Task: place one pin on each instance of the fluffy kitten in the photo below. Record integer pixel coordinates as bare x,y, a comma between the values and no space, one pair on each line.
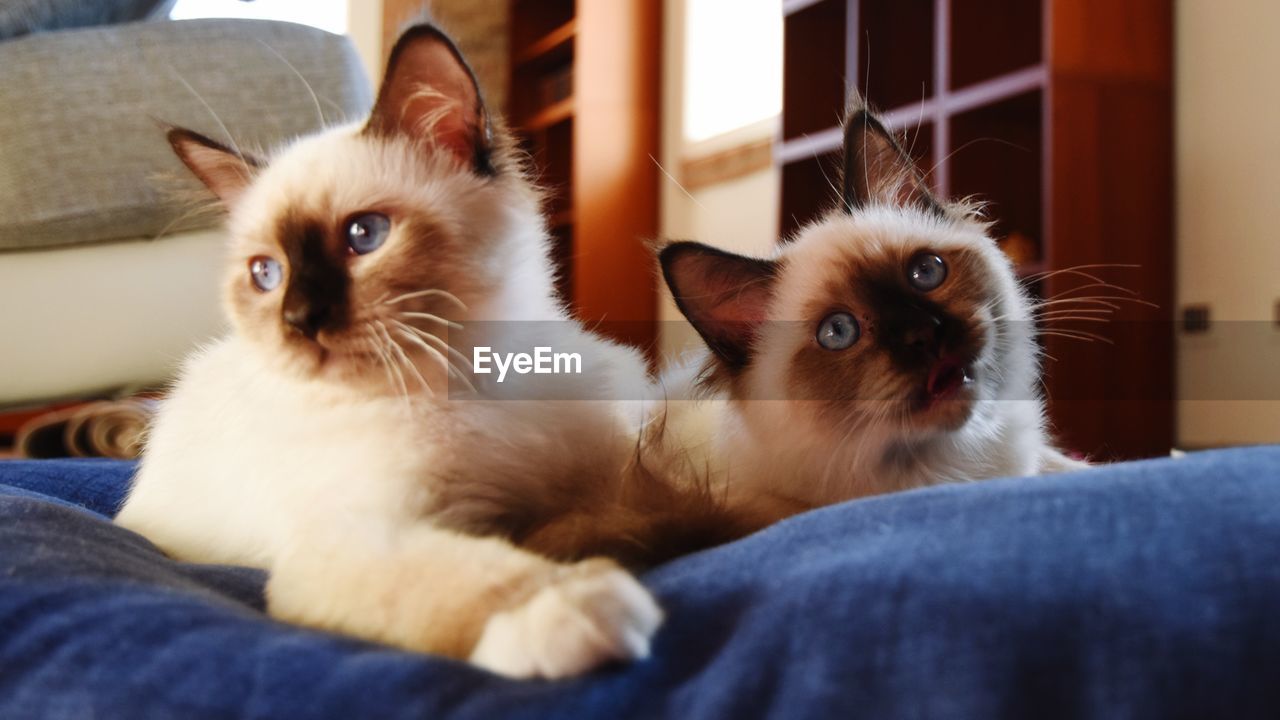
888,346
322,440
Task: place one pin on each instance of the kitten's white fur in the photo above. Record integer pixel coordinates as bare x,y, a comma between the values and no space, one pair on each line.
252,461
781,446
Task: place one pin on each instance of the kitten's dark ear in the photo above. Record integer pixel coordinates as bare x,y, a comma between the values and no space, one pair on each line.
430,94
724,296
876,168
223,170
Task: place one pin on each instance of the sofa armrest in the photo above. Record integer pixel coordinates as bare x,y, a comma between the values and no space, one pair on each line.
84,159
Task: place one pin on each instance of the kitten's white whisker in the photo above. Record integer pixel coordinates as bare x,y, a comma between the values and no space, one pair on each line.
1067,271
1102,284
419,342
1045,274
372,343
972,142
208,207
1076,335
413,368
404,358
1100,300
1074,318
426,293
388,344
428,316
1075,302
419,338
675,182
1072,304
394,381
439,342
830,183
444,361
311,91
248,171
1075,310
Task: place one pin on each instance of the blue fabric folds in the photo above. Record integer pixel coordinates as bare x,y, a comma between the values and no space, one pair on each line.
1140,590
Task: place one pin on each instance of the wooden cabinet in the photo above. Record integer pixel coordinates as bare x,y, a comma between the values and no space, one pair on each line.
1056,112
584,100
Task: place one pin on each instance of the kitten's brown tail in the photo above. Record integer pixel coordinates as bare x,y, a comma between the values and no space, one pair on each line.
653,520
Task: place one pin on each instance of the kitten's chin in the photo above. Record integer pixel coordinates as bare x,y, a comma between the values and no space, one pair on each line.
945,415
334,364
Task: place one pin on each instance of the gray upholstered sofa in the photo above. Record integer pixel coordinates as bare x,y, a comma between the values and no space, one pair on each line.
108,275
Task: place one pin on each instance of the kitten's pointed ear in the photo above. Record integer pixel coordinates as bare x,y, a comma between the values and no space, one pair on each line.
876,168
429,94
223,170
724,296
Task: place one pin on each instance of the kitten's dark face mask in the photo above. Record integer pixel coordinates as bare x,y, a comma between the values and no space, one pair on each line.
885,313
902,332
345,269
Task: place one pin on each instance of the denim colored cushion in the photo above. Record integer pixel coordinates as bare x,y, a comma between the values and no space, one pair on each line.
1139,590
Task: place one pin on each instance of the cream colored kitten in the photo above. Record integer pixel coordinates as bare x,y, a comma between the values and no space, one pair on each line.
888,346
324,440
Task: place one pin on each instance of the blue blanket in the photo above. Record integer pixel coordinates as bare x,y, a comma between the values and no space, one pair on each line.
1142,590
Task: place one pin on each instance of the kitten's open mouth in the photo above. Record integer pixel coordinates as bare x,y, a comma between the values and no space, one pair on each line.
948,375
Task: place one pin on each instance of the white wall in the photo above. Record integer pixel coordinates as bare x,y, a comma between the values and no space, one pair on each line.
739,215
364,27
1228,218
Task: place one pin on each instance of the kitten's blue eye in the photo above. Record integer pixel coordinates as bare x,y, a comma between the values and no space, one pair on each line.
266,273
838,331
366,233
926,272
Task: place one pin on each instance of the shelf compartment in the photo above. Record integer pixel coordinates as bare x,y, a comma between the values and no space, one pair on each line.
542,92
814,68
995,90
807,190
555,45
535,20
817,143
550,116
550,153
990,38
917,141
999,159
895,52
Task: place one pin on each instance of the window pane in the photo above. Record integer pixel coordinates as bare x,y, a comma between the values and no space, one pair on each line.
733,62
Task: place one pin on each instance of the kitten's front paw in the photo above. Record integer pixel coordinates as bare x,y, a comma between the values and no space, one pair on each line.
589,614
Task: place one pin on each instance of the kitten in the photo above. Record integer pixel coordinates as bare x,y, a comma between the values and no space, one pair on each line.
889,346
333,437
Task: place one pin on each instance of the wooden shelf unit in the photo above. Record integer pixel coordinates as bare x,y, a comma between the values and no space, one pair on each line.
558,41
583,101
1058,114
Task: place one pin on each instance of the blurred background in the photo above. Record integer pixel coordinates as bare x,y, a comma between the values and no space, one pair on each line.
1131,140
